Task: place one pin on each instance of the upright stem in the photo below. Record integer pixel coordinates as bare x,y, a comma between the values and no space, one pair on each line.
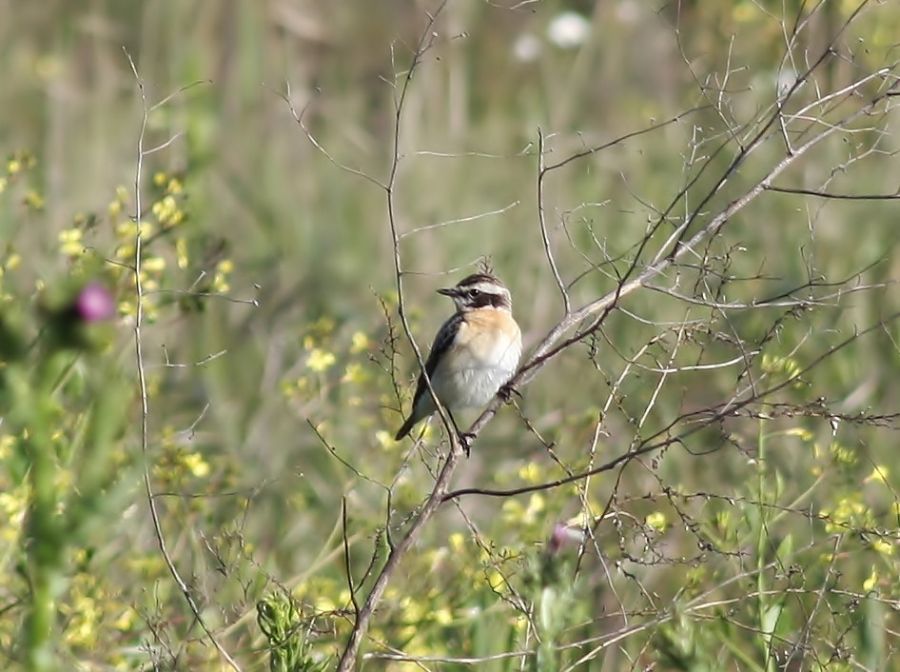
762,539
43,543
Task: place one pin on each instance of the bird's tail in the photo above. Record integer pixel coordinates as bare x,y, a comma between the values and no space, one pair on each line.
407,426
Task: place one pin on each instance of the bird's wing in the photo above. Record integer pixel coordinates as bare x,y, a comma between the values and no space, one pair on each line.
442,342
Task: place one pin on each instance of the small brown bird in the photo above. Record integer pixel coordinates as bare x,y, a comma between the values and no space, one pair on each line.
475,352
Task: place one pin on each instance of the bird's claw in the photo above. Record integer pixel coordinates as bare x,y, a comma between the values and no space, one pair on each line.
506,393
465,440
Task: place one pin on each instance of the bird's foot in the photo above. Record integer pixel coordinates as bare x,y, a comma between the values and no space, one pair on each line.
465,440
506,393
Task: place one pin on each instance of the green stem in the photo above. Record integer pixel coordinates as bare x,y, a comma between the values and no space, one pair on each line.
43,528
761,543
43,558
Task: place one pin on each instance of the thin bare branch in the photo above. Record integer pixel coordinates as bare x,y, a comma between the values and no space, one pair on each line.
142,378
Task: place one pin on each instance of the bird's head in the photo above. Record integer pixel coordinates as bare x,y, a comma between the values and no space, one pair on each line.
479,290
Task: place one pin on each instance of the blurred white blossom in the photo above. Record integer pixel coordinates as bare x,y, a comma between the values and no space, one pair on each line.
527,48
569,30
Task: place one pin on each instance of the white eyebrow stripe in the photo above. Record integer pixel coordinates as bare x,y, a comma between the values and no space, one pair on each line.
488,288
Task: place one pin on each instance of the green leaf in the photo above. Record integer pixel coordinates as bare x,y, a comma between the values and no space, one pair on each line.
871,634
785,549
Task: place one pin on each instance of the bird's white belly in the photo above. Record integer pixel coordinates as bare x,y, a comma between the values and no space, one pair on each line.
474,378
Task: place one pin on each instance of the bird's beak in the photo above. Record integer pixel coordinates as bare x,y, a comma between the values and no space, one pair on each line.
447,291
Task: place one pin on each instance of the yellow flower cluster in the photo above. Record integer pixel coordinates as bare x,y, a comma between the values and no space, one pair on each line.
17,165
178,462
515,513
220,279
657,521
320,359
11,262
849,513
91,610
785,366
13,502
166,213
70,243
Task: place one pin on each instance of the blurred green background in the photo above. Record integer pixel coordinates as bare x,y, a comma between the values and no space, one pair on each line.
251,493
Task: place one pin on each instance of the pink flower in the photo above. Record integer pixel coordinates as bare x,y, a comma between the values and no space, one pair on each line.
562,536
95,303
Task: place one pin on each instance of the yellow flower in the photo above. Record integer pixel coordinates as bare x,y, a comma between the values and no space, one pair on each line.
359,342
196,464
70,242
319,360
3,183
153,264
457,541
129,229
125,252
34,200
324,603
850,512
70,235
167,211
220,280
181,252
288,389
883,546
220,284
174,186
7,443
442,616
125,620
494,579
530,473
159,178
512,510
536,503
13,166
413,610
384,439
879,474
870,583
354,373
12,506
657,521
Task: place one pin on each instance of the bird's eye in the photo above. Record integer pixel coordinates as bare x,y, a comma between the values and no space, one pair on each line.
474,292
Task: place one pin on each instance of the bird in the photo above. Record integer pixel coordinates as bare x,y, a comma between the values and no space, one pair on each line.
474,354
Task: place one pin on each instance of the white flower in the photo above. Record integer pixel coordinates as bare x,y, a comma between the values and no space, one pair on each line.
569,30
527,48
